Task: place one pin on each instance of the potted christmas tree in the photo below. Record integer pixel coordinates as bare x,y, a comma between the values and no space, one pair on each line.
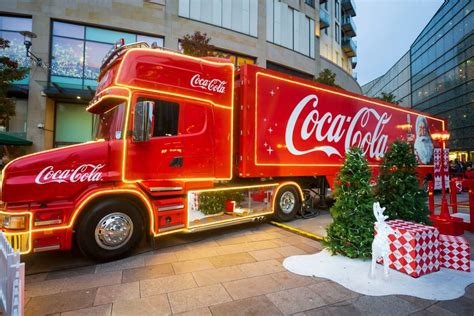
351,232
398,188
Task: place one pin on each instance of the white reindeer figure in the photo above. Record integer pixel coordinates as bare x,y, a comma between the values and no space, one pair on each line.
381,244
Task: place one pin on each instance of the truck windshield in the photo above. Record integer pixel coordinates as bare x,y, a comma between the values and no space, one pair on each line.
109,125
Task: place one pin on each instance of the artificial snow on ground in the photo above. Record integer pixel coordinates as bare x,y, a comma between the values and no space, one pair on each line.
354,274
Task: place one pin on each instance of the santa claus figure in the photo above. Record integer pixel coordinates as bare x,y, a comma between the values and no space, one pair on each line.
423,143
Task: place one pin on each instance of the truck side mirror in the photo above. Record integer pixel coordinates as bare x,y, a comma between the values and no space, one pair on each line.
142,121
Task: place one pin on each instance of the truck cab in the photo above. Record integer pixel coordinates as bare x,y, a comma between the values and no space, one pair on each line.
167,103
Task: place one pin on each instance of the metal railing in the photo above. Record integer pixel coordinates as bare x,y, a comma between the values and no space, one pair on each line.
12,279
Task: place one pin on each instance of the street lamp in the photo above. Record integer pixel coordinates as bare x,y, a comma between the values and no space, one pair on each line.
27,37
442,138
445,223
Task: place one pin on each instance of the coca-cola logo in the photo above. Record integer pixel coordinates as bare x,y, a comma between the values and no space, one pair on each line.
213,85
83,173
330,128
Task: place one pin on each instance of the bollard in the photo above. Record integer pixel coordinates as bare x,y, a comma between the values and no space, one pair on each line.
431,198
453,199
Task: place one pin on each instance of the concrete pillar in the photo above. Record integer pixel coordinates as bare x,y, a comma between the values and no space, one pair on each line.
36,100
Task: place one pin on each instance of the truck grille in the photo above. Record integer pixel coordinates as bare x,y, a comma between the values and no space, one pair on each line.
19,242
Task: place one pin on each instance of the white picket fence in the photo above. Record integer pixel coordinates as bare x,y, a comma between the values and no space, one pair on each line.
12,280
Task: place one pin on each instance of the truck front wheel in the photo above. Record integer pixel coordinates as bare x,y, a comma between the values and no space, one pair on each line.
110,229
287,204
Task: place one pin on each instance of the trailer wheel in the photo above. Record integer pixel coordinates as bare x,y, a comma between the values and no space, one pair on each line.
110,229
287,204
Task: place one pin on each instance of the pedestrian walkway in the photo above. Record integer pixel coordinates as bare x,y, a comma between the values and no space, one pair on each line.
235,273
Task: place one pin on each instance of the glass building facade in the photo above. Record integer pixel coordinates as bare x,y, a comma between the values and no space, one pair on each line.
442,72
395,81
437,74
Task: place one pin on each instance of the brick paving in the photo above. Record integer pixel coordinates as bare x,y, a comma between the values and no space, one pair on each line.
235,273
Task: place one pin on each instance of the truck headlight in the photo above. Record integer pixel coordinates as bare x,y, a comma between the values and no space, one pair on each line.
12,221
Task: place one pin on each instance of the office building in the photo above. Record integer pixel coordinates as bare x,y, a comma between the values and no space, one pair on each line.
440,70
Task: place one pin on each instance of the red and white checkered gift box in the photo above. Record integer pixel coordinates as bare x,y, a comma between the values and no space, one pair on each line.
414,249
454,253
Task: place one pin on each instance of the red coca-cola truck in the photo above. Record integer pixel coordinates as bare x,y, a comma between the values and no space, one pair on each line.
184,144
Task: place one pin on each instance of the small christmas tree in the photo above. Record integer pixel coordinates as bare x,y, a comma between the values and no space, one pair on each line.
398,188
352,230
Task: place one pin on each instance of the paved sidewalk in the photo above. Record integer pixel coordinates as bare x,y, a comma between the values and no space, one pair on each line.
236,273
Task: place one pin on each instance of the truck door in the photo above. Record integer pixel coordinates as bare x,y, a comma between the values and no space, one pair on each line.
162,156
198,138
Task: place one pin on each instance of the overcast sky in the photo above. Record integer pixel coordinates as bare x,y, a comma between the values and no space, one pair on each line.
385,31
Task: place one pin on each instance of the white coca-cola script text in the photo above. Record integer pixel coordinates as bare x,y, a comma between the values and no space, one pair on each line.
83,173
213,85
364,130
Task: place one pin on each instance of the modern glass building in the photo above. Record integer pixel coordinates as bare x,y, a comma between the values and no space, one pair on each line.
397,81
72,37
441,66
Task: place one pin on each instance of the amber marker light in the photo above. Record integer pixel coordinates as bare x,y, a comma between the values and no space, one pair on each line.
404,126
27,233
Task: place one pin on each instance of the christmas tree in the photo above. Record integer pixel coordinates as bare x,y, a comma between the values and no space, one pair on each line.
352,230
398,188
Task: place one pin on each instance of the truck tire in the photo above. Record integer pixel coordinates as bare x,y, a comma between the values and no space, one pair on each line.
110,229
287,204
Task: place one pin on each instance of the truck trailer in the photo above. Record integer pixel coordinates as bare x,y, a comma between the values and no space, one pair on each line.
183,144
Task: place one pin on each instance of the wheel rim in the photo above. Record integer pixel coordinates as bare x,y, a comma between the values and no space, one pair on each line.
113,231
287,202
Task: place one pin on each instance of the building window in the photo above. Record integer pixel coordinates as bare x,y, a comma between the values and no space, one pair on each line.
73,124
310,2
289,71
280,18
337,12
78,50
10,27
337,33
325,52
236,15
236,59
